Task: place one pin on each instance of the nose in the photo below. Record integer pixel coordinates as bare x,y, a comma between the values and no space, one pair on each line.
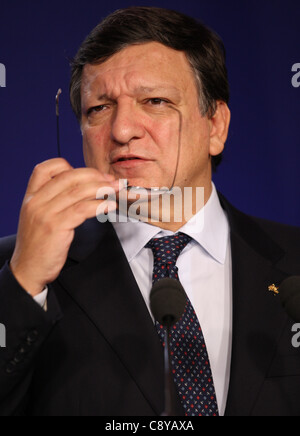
126,124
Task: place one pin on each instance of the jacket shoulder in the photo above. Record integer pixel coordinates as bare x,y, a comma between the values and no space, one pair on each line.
274,241
7,246
288,238
285,235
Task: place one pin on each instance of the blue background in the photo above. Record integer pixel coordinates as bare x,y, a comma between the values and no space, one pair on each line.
260,170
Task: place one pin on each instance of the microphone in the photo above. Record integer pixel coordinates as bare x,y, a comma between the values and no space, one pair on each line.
290,297
167,303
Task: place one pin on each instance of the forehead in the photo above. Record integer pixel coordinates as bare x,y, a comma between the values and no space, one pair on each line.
139,66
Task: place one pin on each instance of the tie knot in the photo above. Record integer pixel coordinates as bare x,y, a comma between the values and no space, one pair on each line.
167,250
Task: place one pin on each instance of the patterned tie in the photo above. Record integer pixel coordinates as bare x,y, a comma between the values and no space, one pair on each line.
190,362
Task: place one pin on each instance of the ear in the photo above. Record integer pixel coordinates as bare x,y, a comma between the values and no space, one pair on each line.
219,125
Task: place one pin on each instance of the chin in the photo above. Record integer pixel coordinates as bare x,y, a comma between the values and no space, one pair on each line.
142,183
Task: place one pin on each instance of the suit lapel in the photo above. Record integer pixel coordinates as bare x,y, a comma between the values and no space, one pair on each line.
256,312
102,284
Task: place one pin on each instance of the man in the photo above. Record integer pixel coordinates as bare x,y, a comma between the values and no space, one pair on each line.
146,84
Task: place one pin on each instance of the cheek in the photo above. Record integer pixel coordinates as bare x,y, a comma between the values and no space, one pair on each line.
166,136
198,136
194,154
95,148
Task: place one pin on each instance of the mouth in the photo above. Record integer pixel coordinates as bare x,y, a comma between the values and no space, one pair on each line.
129,161
125,159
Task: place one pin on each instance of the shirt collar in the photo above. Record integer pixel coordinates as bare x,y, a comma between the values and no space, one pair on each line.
212,236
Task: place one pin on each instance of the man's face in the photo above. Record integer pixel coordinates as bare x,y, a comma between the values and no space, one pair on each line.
130,119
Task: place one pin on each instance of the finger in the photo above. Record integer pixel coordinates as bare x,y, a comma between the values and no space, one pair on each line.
69,181
83,192
77,214
45,171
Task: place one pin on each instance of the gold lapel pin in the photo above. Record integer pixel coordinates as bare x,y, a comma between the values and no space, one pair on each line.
274,289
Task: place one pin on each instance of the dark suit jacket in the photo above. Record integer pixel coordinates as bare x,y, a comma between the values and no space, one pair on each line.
96,351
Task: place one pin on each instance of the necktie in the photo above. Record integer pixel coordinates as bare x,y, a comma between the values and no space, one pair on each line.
191,368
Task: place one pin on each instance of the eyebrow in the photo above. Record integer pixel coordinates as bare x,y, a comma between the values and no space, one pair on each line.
158,88
147,89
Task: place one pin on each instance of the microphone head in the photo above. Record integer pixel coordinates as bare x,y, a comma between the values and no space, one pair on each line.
167,301
290,297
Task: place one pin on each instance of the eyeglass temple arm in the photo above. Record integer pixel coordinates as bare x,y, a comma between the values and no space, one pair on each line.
59,92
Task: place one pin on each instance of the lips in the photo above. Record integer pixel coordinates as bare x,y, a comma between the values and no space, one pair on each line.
128,158
129,162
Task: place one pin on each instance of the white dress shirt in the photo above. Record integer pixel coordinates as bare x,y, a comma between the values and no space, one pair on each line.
206,275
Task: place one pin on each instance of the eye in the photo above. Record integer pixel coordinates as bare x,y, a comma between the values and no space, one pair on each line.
157,101
97,109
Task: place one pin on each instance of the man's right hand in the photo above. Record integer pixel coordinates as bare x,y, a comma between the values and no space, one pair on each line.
58,199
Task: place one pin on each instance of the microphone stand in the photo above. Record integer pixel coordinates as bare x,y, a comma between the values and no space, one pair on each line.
167,302
169,397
